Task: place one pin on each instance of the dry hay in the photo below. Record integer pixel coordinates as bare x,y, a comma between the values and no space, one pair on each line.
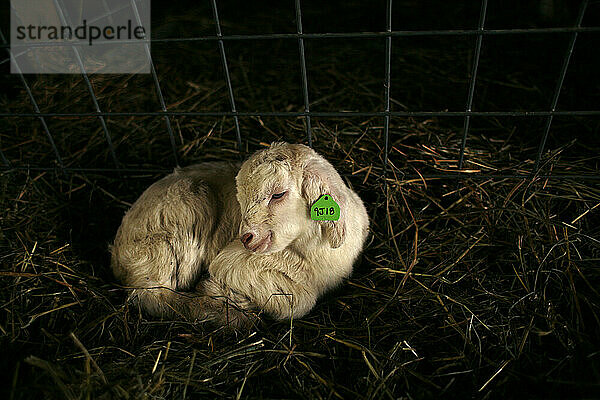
483,286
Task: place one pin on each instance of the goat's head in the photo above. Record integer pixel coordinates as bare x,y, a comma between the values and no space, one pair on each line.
275,189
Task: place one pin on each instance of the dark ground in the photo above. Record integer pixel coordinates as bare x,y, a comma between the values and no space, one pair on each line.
481,287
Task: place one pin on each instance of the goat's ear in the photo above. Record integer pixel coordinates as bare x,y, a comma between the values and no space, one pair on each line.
319,178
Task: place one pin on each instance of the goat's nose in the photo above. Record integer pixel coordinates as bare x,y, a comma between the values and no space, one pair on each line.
246,239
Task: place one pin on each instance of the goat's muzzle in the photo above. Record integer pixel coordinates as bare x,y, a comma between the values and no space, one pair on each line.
253,242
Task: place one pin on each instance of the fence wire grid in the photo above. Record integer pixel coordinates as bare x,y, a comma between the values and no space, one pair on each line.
480,34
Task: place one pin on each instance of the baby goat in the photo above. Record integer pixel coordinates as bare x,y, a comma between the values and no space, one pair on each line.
262,252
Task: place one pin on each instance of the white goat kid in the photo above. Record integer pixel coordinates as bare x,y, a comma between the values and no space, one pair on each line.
283,260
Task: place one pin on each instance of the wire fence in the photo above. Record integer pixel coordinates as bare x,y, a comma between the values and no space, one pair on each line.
300,36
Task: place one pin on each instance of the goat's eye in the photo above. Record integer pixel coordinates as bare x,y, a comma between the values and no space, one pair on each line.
277,195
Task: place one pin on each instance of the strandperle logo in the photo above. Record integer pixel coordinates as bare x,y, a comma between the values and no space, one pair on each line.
82,32
80,36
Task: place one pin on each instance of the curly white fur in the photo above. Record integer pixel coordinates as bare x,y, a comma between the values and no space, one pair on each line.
190,222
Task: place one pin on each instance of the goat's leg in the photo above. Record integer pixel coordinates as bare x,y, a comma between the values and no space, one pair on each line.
277,283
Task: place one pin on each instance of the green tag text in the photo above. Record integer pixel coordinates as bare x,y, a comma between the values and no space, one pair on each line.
325,209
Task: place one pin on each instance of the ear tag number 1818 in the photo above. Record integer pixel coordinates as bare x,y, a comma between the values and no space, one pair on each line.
325,209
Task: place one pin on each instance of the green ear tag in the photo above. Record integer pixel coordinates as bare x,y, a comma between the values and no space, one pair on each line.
325,209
